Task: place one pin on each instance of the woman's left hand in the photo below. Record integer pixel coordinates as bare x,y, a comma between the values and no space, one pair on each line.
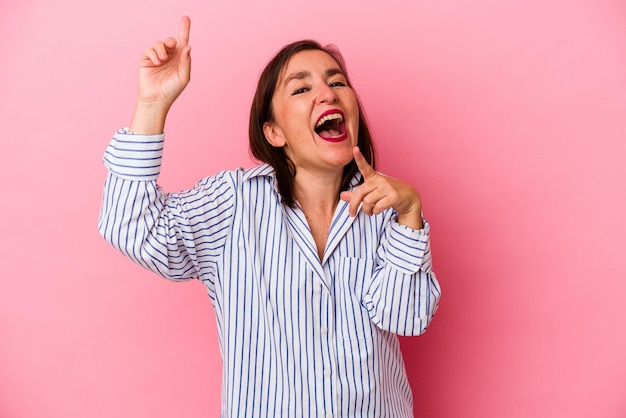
379,192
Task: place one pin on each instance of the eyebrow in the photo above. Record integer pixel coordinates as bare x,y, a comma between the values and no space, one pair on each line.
301,75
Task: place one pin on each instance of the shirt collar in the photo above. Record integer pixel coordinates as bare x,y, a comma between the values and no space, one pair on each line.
262,170
266,170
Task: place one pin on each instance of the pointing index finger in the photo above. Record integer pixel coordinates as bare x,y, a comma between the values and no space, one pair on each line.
362,164
183,32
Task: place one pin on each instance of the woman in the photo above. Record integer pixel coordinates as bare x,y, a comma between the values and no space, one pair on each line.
313,261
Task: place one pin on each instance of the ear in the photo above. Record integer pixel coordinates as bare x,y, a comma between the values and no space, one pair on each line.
274,135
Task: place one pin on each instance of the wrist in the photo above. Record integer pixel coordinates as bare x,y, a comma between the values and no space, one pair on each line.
411,218
411,221
149,118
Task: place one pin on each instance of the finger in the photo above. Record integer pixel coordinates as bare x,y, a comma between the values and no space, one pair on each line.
367,207
384,203
170,44
151,55
362,164
161,49
355,202
375,203
371,201
183,31
355,198
347,197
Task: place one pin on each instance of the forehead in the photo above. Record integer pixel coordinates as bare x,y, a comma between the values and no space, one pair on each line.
309,61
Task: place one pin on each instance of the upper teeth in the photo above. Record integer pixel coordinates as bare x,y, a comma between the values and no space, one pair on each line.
326,118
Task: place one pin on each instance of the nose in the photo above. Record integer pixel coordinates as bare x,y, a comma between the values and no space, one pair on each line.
326,94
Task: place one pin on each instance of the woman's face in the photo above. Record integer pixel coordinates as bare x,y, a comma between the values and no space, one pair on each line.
316,114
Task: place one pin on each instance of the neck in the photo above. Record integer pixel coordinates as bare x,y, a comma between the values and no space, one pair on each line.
317,193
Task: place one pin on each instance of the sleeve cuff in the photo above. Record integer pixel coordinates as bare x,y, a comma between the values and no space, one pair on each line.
406,247
134,157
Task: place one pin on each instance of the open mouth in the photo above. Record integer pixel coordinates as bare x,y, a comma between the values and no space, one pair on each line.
331,127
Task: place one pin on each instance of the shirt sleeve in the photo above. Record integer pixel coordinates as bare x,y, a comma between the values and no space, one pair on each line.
403,293
161,231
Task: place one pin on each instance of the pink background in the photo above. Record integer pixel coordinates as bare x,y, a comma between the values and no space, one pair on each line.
509,117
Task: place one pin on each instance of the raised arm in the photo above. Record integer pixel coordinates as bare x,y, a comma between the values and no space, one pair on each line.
164,72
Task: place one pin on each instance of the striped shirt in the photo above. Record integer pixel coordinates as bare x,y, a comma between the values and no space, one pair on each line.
299,337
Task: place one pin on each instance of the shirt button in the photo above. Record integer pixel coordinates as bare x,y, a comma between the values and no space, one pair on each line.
324,330
327,373
329,415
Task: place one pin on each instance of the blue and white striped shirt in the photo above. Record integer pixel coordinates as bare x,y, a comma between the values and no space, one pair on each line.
298,337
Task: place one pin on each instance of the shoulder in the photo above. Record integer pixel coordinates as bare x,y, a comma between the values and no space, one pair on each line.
236,178
263,172
249,182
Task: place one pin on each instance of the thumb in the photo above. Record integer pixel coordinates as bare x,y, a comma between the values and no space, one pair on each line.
184,65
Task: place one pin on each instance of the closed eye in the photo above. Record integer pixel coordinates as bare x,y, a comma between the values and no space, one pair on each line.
300,91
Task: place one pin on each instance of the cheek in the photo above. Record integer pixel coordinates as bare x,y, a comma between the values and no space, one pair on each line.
291,114
293,126
354,120
353,106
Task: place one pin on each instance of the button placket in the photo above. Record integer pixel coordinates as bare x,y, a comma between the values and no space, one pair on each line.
328,352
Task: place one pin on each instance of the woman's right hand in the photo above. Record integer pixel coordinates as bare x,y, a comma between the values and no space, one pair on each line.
164,72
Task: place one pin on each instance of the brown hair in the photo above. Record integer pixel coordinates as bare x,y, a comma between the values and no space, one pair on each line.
262,112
